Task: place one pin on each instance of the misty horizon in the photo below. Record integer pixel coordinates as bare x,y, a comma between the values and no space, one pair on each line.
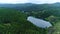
28,1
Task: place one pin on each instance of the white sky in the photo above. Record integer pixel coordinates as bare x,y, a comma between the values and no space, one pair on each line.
29,1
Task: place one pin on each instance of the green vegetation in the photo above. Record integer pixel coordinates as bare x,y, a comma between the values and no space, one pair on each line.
13,18
14,22
57,28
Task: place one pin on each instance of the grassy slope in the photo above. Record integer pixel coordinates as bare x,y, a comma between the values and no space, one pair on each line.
57,28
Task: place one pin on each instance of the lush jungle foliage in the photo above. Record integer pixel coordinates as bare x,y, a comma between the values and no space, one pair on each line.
13,17
14,22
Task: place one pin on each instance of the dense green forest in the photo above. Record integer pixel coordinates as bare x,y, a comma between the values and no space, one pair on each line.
13,17
14,22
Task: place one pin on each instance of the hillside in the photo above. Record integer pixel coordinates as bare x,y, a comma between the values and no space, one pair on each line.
32,7
14,22
13,17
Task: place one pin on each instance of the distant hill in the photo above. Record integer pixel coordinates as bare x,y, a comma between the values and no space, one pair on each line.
31,6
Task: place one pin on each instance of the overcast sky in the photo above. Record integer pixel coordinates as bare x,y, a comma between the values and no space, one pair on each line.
29,1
